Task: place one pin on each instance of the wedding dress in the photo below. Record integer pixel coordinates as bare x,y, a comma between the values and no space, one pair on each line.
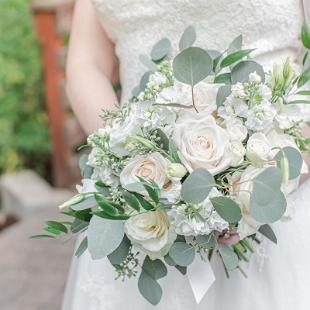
278,275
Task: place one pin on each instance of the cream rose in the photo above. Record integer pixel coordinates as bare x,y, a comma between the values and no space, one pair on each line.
237,131
203,144
151,168
258,149
237,151
151,232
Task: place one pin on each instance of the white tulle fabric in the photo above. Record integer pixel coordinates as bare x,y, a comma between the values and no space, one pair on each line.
278,276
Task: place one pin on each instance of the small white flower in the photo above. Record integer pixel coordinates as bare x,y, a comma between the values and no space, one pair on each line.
254,77
176,171
236,130
88,186
237,151
233,107
258,149
237,90
265,92
157,79
288,114
151,232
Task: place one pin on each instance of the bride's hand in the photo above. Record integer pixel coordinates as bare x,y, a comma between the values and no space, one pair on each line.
90,67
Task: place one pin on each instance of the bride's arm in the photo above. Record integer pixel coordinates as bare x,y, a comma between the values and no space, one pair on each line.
90,66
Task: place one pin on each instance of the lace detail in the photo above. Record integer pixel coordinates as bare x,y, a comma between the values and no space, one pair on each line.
271,26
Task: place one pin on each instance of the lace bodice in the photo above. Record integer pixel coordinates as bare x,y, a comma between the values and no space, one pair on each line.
271,26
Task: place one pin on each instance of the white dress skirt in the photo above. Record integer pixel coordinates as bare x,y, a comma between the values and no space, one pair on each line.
278,275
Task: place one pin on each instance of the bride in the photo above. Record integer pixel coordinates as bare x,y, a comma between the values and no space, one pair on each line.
107,30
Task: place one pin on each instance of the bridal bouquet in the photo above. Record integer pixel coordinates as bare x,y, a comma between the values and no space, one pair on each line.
197,164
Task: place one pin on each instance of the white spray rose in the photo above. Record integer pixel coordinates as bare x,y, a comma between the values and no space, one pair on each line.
258,149
150,167
288,114
236,130
237,151
176,171
151,232
203,144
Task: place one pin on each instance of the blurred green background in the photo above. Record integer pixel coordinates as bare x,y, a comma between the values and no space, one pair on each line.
24,139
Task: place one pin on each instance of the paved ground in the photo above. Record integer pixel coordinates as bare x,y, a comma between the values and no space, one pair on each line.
32,272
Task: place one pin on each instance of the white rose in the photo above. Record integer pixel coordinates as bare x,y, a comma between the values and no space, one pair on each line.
203,144
176,171
151,232
237,151
258,149
236,130
288,114
242,188
150,167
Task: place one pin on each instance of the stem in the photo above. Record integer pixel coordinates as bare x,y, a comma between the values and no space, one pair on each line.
246,243
193,100
239,252
242,272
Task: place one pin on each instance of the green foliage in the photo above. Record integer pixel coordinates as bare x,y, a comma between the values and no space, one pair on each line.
23,121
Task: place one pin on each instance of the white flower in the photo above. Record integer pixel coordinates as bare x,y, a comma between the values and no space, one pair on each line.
176,171
233,107
258,149
171,191
237,90
260,117
236,130
204,94
242,186
88,186
106,175
203,144
156,79
237,151
150,167
265,92
187,224
288,114
151,232
254,77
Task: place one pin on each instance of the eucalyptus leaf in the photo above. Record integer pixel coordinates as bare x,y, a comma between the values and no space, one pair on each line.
192,65
88,203
267,231
228,209
155,268
149,288
182,269
294,158
161,49
120,253
235,45
224,78
305,35
144,80
182,254
188,38
148,63
197,186
229,257
222,94
86,171
304,78
267,202
235,57
131,200
82,248
214,54
240,72
104,236
206,241
169,261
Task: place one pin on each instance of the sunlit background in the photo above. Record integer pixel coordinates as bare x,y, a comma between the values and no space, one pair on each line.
38,158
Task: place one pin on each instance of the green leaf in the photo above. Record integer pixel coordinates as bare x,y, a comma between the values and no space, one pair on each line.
192,65
42,236
182,253
52,230
105,205
169,261
82,247
267,202
305,36
148,63
197,186
86,171
241,72
58,226
144,80
235,45
294,158
224,78
206,241
161,49
304,93
117,217
149,288
87,203
304,78
173,152
229,257
146,205
163,139
235,57
188,38
173,105
182,269
131,200
120,253
299,102
78,225
155,268
151,189
222,94
228,209
267,231
104,236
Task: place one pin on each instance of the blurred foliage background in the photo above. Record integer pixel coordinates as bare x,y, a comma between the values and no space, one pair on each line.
24,140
